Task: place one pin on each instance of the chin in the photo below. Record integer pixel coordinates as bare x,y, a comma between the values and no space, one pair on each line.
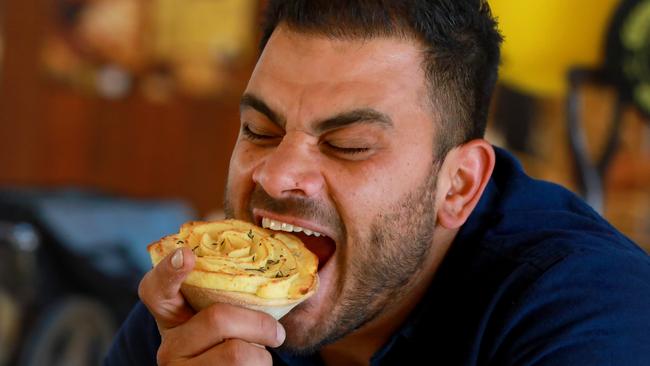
306,329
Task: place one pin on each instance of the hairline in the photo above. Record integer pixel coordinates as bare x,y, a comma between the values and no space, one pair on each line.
434,95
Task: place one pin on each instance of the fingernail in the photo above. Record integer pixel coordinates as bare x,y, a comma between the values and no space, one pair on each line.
177,259
281,334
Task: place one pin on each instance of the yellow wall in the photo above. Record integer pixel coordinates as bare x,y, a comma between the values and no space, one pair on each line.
544,38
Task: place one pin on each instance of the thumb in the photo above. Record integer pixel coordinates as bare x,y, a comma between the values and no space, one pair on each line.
160,288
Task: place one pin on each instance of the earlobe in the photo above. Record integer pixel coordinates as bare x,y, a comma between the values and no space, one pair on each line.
466,171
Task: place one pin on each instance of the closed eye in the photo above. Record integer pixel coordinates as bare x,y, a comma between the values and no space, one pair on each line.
254,136
347,150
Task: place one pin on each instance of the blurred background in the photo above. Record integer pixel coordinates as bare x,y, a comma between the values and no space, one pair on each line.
117,118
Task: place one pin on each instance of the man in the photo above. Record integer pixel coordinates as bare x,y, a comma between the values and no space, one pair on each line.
363,121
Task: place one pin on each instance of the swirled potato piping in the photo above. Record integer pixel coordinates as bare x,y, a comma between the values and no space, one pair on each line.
241,263
265,287
238,257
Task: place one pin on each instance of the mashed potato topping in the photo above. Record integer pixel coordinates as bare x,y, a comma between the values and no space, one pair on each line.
237,256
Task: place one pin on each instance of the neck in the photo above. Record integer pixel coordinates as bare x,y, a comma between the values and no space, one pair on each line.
358,347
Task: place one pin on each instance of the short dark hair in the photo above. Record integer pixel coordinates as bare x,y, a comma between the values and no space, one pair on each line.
461,48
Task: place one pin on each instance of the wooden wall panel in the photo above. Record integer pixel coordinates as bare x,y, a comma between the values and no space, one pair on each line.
63,139
54,136
20,103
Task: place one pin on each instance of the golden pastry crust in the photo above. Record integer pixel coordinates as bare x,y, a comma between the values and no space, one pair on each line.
243,264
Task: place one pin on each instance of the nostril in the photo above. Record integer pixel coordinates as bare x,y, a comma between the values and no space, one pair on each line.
311,182
274,180
283,181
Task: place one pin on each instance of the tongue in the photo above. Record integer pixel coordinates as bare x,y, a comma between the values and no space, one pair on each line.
322,246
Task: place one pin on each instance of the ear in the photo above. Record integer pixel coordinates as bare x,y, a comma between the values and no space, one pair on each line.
463,176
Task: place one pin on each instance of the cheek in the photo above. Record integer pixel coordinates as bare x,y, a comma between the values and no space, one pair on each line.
359,194
240,178
366,192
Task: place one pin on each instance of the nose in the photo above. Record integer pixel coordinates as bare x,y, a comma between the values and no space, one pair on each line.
290,169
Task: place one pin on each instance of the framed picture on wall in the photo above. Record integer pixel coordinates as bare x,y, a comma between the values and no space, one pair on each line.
161,48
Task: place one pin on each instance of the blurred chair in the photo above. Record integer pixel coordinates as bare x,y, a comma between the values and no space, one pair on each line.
553,49
627,70
543,39
70,262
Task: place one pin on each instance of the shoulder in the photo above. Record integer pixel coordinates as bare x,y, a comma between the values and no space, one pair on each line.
570,288
551,298
589,307
542,279
522,221
137,341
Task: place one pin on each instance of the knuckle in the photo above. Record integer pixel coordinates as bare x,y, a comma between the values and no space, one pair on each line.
143,287
238,352
265,357
235,352
163,356
219,319
142,290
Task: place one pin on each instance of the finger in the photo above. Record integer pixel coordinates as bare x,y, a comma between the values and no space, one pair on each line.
220,322
234,352
159,290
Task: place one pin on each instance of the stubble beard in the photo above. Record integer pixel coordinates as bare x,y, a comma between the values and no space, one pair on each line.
400,240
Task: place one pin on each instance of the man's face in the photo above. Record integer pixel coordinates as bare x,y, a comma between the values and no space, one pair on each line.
337,138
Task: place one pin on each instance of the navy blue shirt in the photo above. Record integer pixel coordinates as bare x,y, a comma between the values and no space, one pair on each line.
535,277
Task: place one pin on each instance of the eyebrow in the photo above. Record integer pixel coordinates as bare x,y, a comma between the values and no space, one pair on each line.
361,115
251,101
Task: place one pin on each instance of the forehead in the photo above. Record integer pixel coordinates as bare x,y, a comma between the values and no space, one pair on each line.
308,75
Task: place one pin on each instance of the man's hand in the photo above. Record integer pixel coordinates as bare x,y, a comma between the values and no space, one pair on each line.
220,334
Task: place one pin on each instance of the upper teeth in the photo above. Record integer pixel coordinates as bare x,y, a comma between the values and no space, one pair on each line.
283,226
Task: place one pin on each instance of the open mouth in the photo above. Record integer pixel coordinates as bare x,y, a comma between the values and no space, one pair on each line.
320,244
